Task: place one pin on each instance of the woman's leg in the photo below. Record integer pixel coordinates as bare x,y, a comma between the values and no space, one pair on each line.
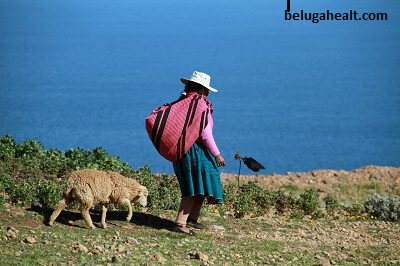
195,211
184,210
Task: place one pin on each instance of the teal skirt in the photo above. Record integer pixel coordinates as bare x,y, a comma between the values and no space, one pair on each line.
198,173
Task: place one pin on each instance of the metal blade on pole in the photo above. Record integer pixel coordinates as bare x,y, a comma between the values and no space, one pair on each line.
251,163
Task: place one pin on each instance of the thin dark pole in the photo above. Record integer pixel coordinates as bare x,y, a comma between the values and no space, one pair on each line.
238,179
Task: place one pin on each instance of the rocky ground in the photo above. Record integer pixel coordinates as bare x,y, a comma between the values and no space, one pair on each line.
267,240
147,240
354,184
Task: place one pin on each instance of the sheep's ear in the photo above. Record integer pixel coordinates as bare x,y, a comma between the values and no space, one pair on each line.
143,191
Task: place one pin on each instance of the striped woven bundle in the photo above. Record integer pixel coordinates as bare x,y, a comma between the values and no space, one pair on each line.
173,128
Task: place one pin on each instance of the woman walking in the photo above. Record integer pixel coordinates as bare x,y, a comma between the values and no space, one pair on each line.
197,171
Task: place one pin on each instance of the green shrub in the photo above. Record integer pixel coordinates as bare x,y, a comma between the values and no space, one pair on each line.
5,183
23,192
145,178
309,201
53,164
30,148
96,158
30,159
284,201
331,203
169,193
29,173
354,209
7,147
290,187
24,159
2,199
164,192
383,207
76,159
253,200
317,214
243,204
49,192
99,159
229,191
30,190
296,215
244,201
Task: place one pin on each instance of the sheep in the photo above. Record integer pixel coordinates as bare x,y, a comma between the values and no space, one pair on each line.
90,187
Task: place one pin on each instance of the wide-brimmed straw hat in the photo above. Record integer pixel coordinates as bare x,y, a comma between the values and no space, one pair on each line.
200,78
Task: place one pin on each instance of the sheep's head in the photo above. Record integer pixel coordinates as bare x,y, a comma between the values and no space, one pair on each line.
141,197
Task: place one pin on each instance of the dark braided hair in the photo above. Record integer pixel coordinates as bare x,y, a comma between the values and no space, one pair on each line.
191,87
194,87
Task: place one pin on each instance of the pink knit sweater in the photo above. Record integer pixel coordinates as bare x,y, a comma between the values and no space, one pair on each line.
206,138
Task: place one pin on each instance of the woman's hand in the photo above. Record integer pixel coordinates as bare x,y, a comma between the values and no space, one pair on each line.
220,160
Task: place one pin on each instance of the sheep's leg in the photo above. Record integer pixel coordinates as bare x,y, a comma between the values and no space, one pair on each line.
85,197
85,214
103,215
127,202
64,202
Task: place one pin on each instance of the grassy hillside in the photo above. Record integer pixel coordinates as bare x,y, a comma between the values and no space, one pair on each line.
321,217
147,240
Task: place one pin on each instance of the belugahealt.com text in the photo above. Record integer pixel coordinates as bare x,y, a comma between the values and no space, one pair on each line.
316,17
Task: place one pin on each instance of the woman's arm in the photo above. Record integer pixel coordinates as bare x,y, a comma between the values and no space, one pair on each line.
207,139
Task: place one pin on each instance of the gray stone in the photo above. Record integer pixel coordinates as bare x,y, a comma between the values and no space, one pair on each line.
324,262
81,248
217,227
30,240
132,240
200,256
116,259
159,258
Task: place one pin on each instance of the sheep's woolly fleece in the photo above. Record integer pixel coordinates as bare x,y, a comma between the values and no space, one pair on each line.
90,187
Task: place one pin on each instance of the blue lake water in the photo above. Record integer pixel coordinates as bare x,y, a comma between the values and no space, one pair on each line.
294,95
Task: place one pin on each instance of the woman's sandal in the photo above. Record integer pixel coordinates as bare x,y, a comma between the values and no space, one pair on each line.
195,224
179,230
